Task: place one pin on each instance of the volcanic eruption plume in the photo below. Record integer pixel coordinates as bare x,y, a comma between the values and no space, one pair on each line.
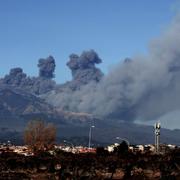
35,85
141,87
145,87
46,67
83,67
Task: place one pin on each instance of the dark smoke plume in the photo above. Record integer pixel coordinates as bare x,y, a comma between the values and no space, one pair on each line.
141,88
46,67
146,87
17,79
83,68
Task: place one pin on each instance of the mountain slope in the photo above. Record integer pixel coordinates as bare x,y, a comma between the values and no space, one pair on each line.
17,108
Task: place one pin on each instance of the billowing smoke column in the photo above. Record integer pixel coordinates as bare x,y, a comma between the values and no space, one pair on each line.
47,67
83,69
35,85
83,66
146,87
15,77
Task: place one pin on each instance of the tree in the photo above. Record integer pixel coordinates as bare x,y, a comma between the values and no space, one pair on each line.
40,136
122,148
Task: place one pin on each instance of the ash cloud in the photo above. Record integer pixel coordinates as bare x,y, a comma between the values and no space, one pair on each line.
47,67
142,87
83,66
17,79
83,69
145,87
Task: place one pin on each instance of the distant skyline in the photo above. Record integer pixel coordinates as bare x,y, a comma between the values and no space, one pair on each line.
114,29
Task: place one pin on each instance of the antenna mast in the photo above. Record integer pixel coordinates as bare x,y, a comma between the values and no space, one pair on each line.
157,128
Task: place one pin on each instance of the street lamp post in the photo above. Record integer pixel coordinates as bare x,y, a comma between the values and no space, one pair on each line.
123,139
90,135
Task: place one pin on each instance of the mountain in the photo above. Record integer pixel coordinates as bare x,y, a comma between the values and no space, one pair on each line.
106,133
125,94
18,107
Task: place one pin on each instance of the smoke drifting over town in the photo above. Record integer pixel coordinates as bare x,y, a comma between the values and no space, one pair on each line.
144,87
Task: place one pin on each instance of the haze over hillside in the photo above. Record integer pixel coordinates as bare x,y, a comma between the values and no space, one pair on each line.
141,89
24,98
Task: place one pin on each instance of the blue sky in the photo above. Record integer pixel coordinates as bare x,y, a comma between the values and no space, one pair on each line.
115,29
